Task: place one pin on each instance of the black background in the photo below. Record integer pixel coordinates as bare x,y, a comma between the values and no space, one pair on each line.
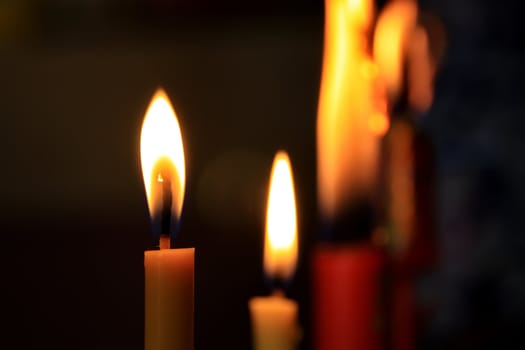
75,80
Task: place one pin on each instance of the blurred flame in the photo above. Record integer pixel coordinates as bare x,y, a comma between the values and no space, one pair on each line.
359,12
393,29
369,69
348,127
162,155
280,243
421,71
379,123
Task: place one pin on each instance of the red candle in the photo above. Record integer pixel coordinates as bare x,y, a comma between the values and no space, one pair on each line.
348,289
347,277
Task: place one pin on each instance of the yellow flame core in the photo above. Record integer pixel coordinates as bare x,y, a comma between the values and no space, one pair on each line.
393,30
162,154
280,244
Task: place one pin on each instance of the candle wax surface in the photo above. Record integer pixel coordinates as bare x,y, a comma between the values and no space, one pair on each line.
274,323
348,303
169,299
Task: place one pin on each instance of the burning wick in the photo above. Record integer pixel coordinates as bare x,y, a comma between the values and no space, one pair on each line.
169,272
164,188
278,286
163,169
165,216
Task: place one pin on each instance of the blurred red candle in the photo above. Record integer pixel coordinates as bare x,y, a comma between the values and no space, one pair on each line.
402,54
347,277
348,297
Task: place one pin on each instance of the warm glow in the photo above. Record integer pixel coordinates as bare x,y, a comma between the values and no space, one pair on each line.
393,30
421,71
379,123
369,70
162,155
280,243
348,134
359,12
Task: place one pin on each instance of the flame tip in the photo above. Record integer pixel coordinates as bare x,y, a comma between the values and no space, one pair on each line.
160,93
162,159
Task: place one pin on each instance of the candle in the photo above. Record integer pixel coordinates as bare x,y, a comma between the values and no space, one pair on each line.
408,62
401,50
274,318
347,297
347,266
169,273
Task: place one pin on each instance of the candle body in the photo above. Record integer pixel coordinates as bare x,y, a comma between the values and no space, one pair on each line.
169,293
348,302
274,323
409,163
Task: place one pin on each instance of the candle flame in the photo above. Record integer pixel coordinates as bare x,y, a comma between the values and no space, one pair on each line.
379,123
162,158
280,244
421,70
359,12
392,34
351,117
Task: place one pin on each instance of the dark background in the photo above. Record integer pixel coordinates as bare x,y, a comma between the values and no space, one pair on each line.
75,80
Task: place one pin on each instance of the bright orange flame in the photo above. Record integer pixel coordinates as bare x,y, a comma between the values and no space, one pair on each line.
359,12
379,123
280,243
394,27
347,147
369,70
162,154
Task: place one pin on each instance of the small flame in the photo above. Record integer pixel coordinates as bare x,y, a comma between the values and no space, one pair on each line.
162,158
393,30
280,244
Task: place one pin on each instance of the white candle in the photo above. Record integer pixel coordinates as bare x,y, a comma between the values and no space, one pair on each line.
169,273
274,318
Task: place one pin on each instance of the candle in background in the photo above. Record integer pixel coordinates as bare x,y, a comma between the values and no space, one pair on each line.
402,52
352,117
274,318
169,273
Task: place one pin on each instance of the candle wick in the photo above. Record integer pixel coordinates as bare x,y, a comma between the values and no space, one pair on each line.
278,293
166,213
164,242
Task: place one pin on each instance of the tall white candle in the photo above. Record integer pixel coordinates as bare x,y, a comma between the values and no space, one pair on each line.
169,273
